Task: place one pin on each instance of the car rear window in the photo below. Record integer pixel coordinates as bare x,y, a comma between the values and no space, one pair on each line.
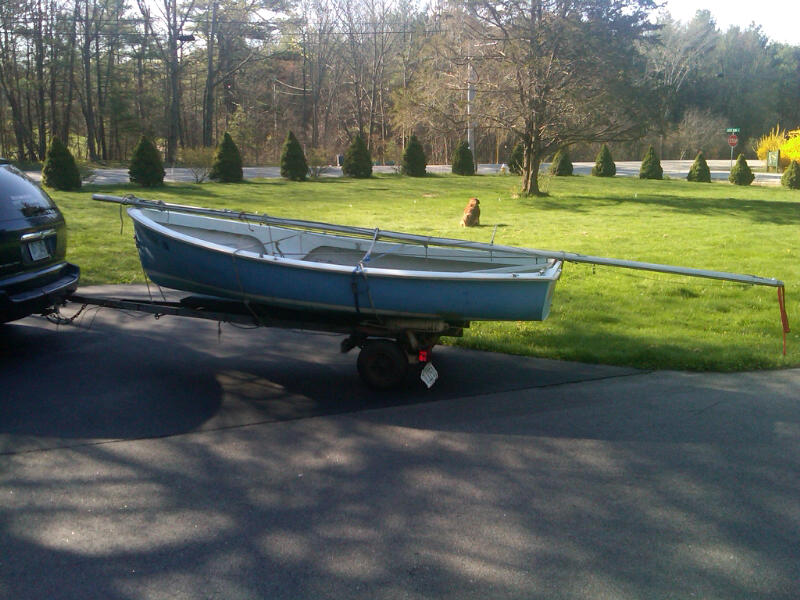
20,197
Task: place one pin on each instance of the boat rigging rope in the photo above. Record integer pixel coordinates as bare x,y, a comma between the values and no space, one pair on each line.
354,286
359,270
245,299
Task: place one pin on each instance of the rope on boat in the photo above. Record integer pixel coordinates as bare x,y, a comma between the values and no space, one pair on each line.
354,287
359,269
245,299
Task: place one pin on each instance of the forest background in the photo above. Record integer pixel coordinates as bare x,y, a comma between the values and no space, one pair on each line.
99,73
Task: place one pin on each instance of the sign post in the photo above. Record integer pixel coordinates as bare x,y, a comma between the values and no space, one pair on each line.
733,140
773,160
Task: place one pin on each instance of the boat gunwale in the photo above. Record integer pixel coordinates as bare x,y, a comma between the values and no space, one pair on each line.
549,272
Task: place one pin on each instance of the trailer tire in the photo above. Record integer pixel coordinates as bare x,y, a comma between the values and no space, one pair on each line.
382,364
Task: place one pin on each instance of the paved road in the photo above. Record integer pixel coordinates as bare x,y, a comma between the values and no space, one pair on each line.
676,169
167,459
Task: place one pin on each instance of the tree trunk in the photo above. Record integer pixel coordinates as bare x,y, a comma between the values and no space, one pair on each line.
33,148
174,112
530,170
208,94
40,81
55,75
70,76
20,133
88,106
101,99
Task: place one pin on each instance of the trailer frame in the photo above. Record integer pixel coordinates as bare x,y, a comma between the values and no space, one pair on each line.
389,346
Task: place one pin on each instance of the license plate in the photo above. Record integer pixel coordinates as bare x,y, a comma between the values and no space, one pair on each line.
38,250
429,375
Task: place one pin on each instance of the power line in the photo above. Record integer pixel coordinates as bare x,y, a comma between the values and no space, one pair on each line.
273,34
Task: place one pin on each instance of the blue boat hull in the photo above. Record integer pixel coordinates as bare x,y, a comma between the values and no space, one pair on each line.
174,262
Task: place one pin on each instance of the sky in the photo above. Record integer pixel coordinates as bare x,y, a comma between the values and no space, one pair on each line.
780,21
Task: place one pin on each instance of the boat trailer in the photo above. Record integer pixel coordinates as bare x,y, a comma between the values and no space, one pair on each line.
390,347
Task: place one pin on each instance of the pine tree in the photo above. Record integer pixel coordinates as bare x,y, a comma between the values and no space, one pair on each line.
293,162
357,160
699,171
414,159
517,159
462,160
604,164
227,166
562,165
651,166
741,173
60,171
146,168
791,176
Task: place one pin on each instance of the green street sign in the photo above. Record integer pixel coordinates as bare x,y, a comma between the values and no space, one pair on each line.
732,130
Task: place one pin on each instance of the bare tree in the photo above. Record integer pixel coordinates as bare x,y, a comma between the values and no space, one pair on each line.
320,48
557,72
370,33
677,54
14,19
173,19
234,36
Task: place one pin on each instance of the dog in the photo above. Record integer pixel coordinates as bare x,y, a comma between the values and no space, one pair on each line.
472,214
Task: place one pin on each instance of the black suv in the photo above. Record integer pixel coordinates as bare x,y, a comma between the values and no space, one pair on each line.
34,276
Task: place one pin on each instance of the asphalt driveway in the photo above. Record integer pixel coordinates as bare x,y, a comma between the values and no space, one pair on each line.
144,458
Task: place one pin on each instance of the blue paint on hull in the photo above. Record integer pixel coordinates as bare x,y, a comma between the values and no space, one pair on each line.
175,263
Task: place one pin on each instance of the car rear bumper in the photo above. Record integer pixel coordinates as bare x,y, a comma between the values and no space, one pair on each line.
36,292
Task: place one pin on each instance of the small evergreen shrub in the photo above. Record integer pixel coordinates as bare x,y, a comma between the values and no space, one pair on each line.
294,166
227,166
414,159
60,171
741,173
517,160
357,160
562,165
791,176
462,160
651,166
146,168
699,171
604,164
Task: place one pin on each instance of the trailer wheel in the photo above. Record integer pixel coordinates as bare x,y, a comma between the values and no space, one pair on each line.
382,364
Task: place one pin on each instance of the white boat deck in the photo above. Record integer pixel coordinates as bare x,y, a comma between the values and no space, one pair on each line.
344,251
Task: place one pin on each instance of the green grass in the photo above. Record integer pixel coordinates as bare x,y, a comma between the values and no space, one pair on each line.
599,314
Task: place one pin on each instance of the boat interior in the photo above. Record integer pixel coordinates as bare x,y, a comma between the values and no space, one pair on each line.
346,250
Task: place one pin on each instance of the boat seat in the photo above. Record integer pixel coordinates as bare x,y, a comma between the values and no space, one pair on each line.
238,241
350,257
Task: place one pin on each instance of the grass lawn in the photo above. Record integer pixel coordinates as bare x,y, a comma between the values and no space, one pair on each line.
600,314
